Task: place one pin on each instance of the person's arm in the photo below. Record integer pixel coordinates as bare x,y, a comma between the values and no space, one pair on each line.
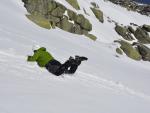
33,58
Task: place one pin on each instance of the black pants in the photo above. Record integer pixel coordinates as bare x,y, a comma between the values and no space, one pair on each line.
55,67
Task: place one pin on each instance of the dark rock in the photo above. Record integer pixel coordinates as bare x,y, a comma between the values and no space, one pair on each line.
131,30
94,5
51,5
72,15
74,4
144,51
98,13
83,22
40,21
41,7
66,25
146,27
53,19
133,24
86,25
77,29
133,6
49,13
119,51
91,36
142,36
129,50
58,12
123,32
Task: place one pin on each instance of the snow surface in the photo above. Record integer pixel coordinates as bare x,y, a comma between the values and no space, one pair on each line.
103,84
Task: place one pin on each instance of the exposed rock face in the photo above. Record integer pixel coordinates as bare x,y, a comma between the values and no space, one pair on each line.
131,5
39,20
72,15
74,4
59,11
41,7
98,13
131,30
142,36
85,24
144,51
66,25
77,29
146,27
94,5
124,32
119,51
129,50
91,36
145,10
49,13
80,21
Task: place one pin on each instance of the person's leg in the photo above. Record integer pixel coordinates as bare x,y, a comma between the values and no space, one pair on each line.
70,66
74,64
72,69
63,68
53,66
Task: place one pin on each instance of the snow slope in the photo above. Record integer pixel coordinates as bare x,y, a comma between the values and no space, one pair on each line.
103,84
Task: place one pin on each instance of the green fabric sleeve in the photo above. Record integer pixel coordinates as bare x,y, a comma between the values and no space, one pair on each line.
33,58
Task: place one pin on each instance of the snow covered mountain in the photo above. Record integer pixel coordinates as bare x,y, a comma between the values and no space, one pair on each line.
103,84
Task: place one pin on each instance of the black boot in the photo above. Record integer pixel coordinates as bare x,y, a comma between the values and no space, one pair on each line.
79,59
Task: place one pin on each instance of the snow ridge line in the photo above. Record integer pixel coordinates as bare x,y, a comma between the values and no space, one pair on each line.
111,85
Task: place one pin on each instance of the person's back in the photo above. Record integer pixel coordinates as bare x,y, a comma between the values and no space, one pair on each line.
41,56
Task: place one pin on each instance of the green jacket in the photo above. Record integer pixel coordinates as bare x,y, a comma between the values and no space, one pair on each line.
41,56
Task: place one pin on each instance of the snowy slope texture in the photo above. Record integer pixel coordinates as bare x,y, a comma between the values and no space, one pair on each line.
103,84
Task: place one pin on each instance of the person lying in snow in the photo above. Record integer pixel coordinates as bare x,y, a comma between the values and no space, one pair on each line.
45,59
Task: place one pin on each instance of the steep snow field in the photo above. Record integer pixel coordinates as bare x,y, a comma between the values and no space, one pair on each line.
103,84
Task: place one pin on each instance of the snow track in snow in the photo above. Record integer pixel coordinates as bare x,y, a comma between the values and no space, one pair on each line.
111,85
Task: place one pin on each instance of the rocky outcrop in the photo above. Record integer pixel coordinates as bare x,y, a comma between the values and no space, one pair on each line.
142,36
49,13
146,27
133,6
119,51
97,12
66,25
131,30
94,5
91,36
143,50
129,50
124,32
58,11
72,15
83,22
74,4
39,20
